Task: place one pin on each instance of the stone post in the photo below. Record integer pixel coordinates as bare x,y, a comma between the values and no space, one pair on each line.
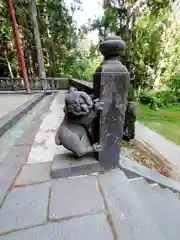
110,83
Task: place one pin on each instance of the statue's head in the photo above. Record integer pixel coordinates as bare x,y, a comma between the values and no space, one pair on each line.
72,89
78,103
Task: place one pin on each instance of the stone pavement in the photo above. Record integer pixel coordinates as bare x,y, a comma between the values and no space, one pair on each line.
167,149
97,206
9,102
14,133
38,207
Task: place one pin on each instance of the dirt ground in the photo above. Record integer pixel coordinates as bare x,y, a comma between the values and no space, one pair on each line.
137,152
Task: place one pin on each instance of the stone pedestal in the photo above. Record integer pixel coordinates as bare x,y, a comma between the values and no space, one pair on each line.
66,165
111,82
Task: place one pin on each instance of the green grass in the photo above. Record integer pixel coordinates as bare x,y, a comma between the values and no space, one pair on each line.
163,121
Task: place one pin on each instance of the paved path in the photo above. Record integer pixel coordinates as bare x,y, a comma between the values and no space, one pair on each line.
8,140
86,207
169,150
9,102
41,209
44,148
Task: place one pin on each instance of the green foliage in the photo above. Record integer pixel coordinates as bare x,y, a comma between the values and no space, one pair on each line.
85,65
174,84
152,36
60,38
164,99
149,28
7,53
147,96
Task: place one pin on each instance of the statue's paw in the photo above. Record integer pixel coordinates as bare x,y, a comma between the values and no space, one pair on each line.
97,147
98,105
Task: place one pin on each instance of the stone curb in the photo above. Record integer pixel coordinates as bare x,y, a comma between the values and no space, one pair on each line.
14,116
81,169
173,171
135,168
19,153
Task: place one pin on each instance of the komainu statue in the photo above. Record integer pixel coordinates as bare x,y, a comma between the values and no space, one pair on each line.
80,110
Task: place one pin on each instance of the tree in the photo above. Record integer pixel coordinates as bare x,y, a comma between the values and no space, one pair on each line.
59,36
141,24
42,72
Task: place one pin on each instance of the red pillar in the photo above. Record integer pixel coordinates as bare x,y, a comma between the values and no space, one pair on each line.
17,41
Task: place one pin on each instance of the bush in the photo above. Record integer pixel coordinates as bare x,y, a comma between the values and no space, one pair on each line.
166,98
162,98
131,94
147,96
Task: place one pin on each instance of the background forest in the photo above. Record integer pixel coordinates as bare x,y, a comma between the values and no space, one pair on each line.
150,29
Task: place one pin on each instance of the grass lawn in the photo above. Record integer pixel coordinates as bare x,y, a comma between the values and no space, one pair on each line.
163,121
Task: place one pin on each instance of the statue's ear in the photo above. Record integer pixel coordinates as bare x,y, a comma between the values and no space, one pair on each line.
86,98
85,108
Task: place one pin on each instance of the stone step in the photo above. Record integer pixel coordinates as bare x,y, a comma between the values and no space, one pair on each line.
129,216
18,153
150,175
162,206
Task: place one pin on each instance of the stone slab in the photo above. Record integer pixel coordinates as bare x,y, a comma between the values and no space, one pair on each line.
162,207
34,173
130,217
147,173
74,197
66,165
90,228
17,157
10,101
12,117
13,135
10,167
24,207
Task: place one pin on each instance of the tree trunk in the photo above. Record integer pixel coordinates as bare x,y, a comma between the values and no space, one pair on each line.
42,73
9,64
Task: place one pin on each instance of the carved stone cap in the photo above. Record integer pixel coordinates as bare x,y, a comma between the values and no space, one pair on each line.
112,46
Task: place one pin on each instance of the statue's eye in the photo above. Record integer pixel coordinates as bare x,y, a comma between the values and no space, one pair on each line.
73,102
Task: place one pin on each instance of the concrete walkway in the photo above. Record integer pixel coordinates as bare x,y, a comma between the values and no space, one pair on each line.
9,102
169,150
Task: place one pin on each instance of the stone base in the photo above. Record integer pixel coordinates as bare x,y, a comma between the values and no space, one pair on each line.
67,165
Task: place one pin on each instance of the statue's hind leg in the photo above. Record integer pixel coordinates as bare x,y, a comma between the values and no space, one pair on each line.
57,137
72,142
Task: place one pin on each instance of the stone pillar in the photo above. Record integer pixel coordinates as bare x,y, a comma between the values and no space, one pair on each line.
111,82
